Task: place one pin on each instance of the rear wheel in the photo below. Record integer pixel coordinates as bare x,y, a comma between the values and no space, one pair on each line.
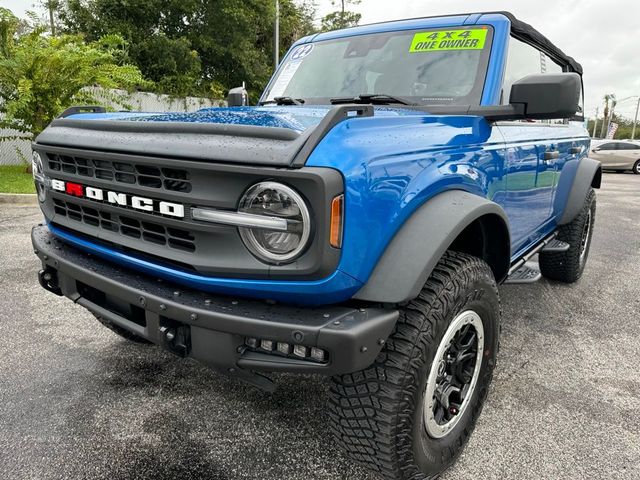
409,415
568,266
636,168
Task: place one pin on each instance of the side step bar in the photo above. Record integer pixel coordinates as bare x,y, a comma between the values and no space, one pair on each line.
556,245
524,274
521,273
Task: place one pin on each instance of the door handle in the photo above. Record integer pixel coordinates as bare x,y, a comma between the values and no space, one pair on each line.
575,150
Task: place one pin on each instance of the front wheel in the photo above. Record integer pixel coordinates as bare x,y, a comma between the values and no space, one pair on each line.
409,415
636,168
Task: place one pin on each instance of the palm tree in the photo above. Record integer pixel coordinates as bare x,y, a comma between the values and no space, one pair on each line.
607,98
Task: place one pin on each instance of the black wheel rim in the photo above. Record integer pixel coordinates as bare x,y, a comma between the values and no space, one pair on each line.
454,374
586,232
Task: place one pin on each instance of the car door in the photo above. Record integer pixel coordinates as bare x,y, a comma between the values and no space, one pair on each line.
628,154
536,153
608,154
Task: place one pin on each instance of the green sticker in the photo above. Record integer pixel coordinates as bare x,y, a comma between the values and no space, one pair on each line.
443,40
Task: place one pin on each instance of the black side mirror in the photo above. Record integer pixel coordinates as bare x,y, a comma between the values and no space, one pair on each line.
547,96
238,97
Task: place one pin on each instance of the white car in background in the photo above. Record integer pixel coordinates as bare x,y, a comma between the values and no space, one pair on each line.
618,155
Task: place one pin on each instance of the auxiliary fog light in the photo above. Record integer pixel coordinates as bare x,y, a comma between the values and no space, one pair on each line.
318,354
267,345
284,349
301,351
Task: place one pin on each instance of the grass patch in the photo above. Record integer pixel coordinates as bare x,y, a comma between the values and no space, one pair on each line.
15,179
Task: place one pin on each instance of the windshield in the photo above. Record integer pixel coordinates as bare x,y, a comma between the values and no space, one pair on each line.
431,66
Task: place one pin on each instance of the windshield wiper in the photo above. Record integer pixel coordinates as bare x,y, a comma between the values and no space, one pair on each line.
284,101
373,98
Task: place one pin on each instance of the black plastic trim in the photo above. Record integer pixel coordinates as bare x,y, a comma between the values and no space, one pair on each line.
419,244
133,126
335,116
219,325
489,112
588,175
213,142
82,109
525,32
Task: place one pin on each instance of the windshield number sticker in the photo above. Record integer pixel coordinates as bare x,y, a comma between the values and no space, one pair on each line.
302,51
446,40
289,69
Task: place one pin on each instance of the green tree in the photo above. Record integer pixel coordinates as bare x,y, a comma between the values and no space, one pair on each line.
154,31
234,38
194,46
8,27
171,64
625,127
296,21
341,18
41,75
51,6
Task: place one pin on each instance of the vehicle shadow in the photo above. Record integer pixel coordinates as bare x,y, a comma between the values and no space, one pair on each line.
151,415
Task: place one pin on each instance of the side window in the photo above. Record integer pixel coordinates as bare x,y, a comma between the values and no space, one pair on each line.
608,146
627,146
547,65
523,60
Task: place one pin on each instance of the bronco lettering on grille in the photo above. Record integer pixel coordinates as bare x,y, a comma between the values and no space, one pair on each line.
117,198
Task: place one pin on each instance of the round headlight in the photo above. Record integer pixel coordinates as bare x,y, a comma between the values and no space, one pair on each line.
38,176
276,200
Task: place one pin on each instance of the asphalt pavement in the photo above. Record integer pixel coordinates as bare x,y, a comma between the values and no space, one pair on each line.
77,402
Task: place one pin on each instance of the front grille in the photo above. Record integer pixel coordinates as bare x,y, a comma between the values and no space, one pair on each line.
173,179
181,242
151,232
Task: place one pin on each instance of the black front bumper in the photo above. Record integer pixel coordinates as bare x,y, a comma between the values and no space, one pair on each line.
212,329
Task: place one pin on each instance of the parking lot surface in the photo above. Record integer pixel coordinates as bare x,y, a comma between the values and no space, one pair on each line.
78,402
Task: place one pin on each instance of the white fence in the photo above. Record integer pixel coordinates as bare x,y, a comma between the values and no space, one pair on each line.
13,151
16,151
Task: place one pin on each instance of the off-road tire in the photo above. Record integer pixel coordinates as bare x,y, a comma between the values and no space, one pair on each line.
636,168
118,330
377,413
568,266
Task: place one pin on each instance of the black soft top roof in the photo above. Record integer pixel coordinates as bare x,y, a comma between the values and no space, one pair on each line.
525,32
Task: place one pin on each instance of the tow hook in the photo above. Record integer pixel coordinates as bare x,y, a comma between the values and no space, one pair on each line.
176,338
48,278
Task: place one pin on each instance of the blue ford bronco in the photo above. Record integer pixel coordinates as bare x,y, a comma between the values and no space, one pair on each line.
356,223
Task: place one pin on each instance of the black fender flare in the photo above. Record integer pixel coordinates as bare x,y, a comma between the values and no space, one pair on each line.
414,251
588,175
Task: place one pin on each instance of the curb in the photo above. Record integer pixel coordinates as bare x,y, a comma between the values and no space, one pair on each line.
19,198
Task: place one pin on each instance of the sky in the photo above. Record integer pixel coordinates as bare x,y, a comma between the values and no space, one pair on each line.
600,34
